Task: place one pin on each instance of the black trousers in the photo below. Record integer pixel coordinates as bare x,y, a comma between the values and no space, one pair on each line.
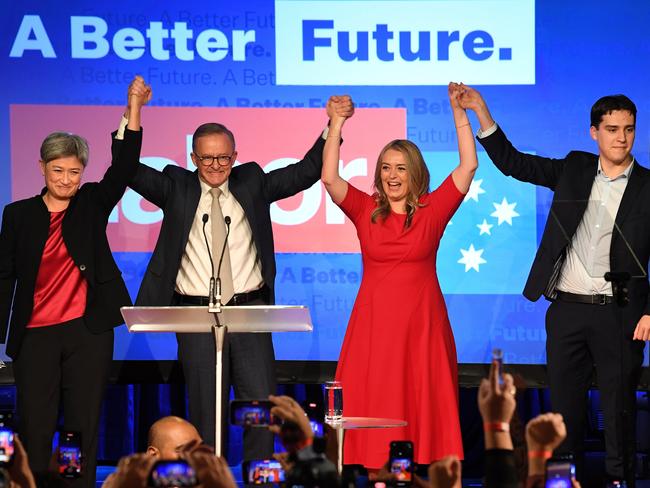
67,363
248,365
579,337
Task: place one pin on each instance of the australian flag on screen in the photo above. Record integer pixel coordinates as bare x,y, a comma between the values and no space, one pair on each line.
491,241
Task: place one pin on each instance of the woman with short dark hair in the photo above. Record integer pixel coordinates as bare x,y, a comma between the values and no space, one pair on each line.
60,282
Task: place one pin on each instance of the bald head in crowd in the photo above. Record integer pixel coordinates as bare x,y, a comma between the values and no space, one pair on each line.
169,435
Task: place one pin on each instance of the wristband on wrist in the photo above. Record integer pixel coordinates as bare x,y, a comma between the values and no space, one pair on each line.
496,427
540,454
307,442
462,125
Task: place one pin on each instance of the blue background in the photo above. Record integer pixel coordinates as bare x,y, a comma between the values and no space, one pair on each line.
583,51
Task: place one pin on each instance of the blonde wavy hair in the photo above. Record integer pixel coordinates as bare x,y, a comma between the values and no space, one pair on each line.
418,180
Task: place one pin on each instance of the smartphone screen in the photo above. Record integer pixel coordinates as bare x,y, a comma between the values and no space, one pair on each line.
69,460
401,462
251,413
172,473
559,473
315,413
316,427
262,471
6,445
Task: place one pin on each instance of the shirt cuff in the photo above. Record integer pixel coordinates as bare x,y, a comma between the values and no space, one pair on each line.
481,134
120,130
325,132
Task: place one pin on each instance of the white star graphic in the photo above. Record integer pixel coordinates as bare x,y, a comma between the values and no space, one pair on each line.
474,190
485,228
504,211
472,258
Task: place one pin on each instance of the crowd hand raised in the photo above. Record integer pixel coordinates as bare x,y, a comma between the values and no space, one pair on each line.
496,403
132,471
384,475
19,471
211,471
289,410
283,459
545,432
445,473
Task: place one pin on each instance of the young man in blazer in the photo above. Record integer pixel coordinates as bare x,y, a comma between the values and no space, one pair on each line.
179,270
598,223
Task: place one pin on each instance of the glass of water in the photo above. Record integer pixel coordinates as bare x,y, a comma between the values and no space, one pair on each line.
333,401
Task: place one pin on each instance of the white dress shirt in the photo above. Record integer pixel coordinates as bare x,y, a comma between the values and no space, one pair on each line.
194,273
587,258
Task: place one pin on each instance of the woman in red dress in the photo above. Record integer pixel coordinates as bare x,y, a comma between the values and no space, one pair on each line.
398,358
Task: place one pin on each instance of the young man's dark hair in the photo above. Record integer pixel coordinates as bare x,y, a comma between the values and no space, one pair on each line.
608,104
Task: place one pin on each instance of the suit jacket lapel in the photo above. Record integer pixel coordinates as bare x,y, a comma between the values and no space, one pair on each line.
39,230
245,199
569,211
191,203
634,186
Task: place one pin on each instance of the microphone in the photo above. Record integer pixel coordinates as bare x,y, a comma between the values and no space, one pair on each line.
223,250
211,289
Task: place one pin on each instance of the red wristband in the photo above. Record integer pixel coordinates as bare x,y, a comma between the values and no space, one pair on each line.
540,454
307,442
496,427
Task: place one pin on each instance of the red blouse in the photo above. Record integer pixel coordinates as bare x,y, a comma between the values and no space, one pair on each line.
60,291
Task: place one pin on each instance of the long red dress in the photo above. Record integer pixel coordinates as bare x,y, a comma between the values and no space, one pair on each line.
398,358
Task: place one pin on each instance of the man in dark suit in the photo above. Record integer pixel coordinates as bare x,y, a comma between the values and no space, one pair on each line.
599,223
60,282
179,271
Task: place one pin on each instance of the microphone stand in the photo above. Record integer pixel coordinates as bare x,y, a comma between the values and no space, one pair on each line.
219,332
213,283
216,305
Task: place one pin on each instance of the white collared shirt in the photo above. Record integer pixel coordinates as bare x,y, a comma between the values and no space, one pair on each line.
587,258
194,273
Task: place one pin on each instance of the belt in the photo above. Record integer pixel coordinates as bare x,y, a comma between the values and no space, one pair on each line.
564,296
237,299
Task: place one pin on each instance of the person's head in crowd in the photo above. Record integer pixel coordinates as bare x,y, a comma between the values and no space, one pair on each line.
400,175
168,436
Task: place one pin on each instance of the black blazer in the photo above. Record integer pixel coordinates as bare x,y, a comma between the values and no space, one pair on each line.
177,192
571,179
25,226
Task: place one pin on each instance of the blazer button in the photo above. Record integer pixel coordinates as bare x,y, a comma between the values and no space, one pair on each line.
82,267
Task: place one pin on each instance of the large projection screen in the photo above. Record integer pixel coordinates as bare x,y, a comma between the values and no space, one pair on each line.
266,68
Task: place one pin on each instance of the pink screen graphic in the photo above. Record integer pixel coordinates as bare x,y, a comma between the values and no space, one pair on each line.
307,222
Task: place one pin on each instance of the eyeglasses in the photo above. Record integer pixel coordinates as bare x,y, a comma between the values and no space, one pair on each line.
223,160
